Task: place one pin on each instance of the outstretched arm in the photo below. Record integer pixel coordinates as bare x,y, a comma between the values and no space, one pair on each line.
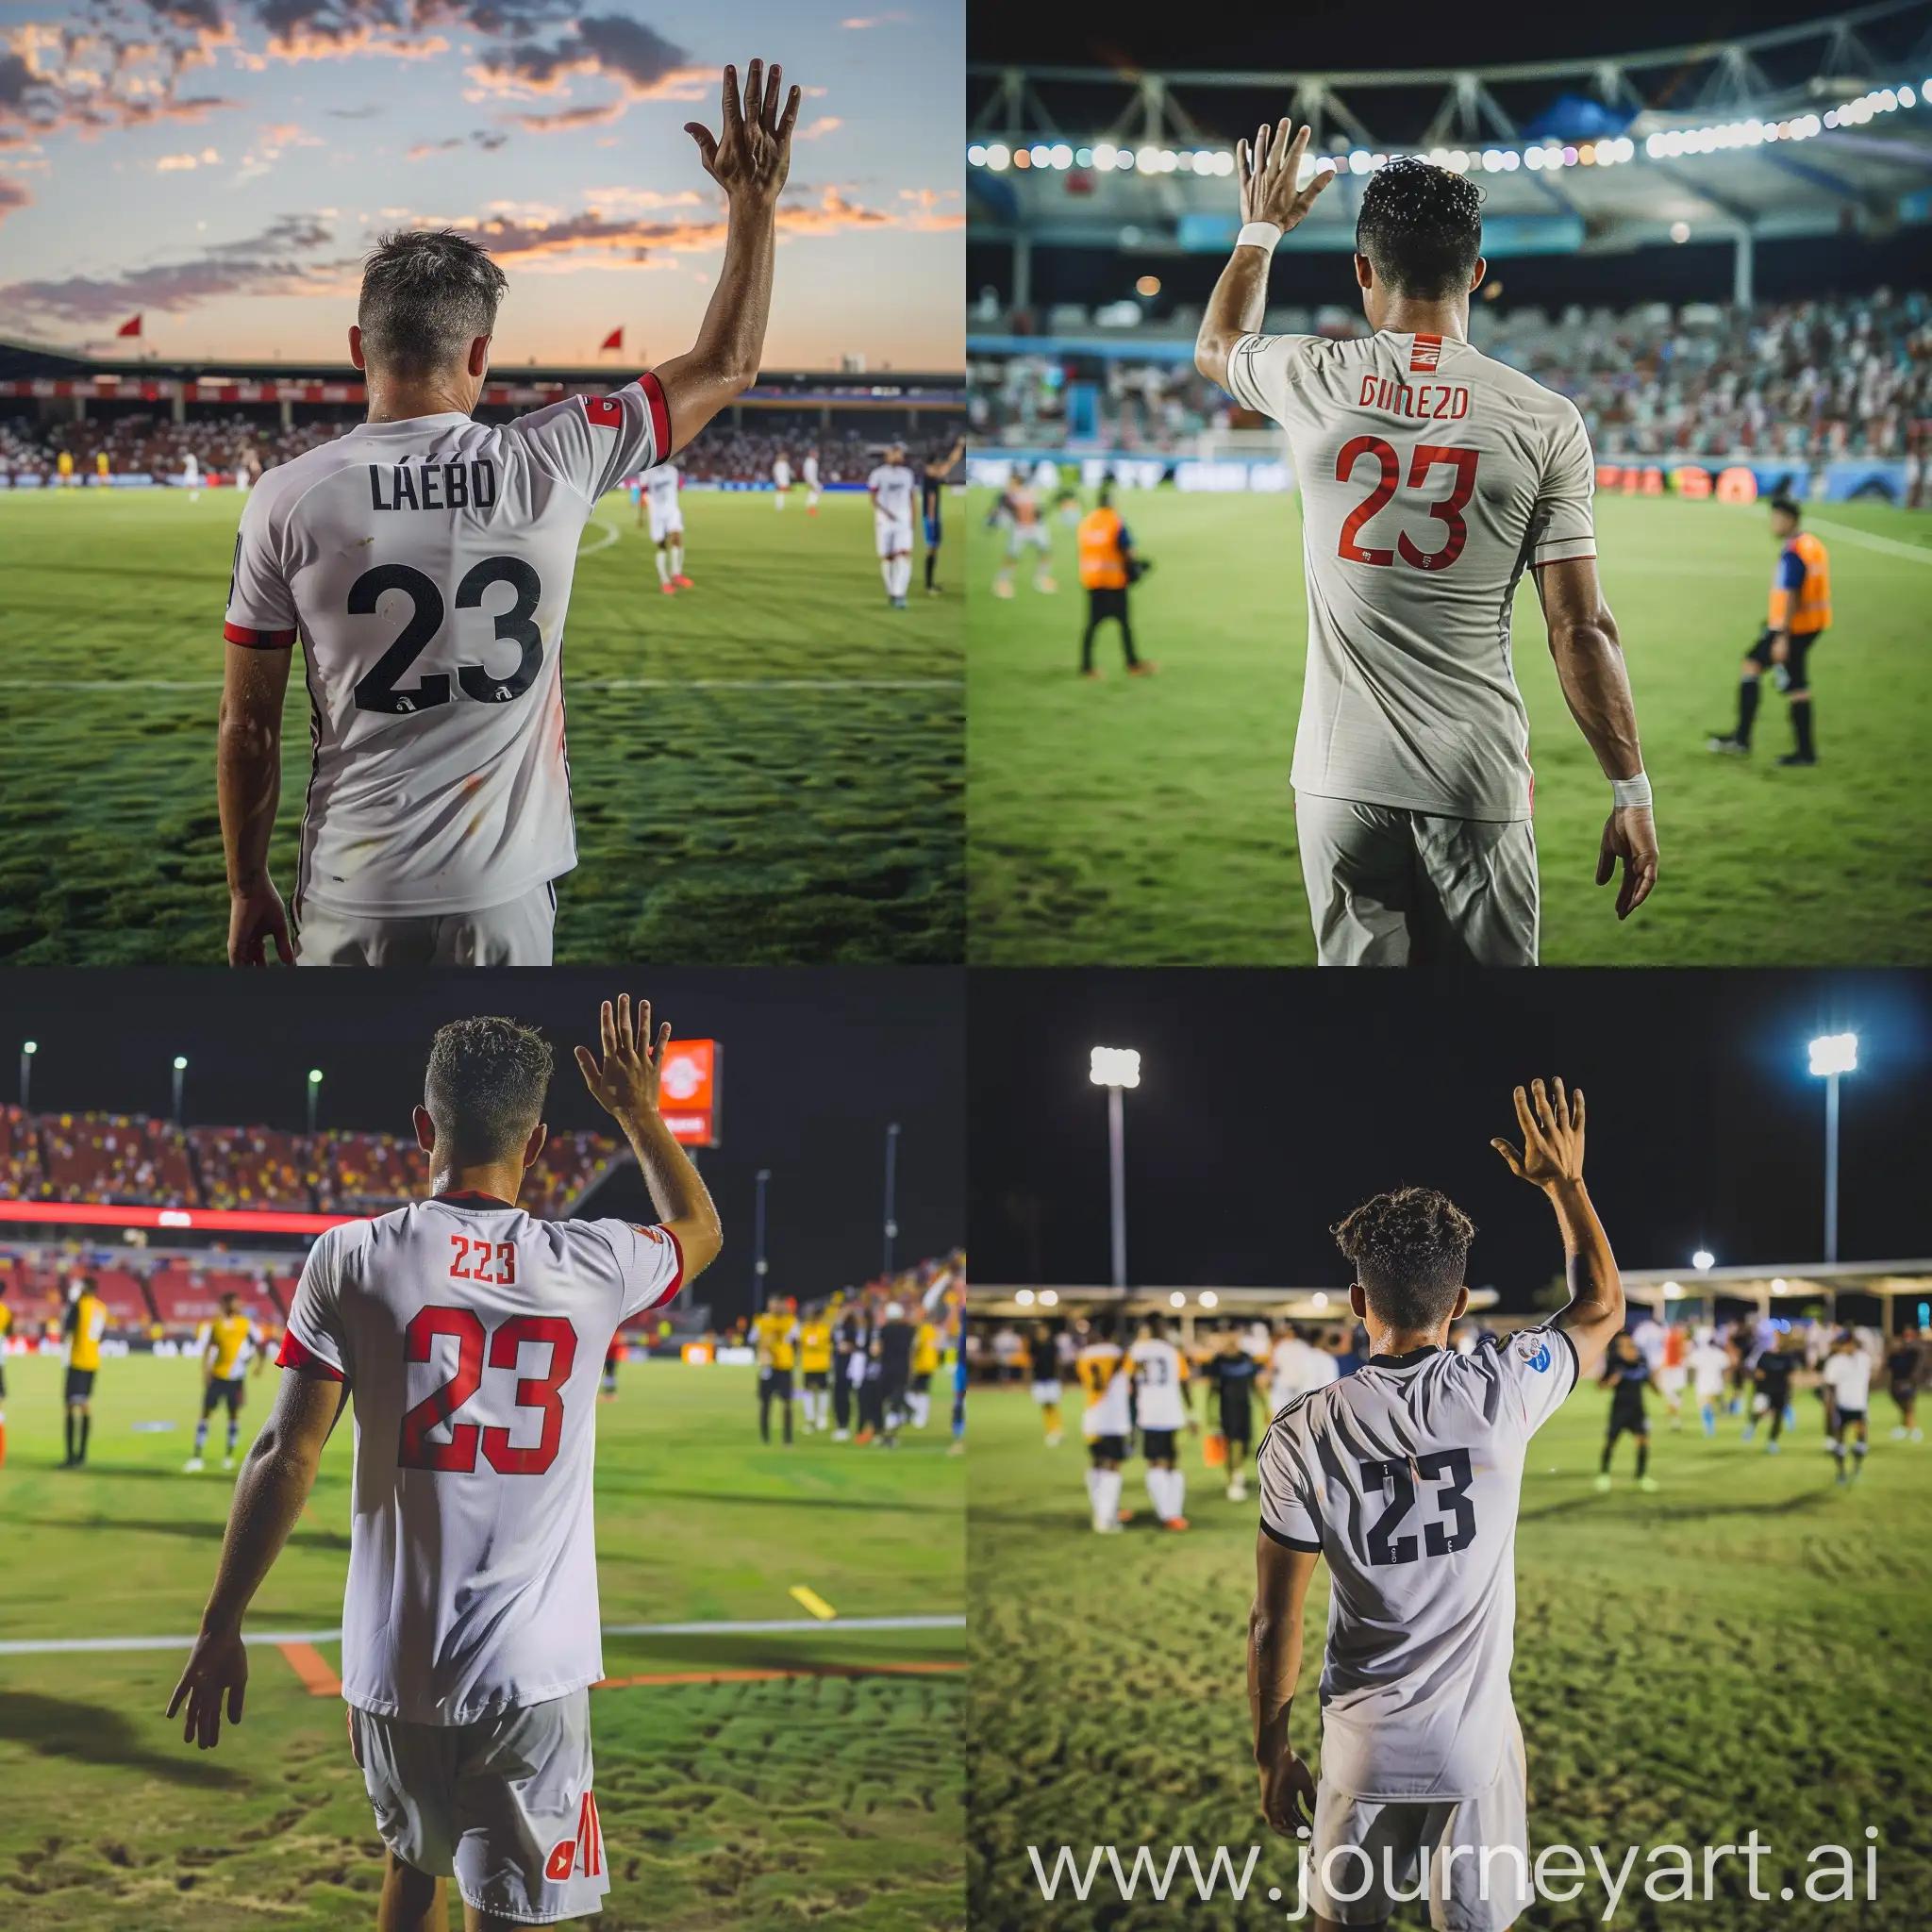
749,158
1596,685
1268,173
1551,1157
249,780
275,1482
1282,1577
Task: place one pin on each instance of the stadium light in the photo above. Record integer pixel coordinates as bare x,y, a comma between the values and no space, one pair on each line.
891,1226
27,1050
759,1266
180,1068
1024,1296
1832,1054
1116,1068
314,1097
1703,1260
1209,1299
1049,1298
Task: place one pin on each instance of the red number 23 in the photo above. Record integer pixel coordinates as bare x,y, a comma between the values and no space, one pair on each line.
1448,511
415,1450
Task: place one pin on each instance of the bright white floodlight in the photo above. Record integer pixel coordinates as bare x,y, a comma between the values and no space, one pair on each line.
1835,1053
1114,1066
1703,1261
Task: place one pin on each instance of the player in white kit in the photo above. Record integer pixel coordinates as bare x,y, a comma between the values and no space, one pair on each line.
781,478
1163,1405
658,490
471,1338
1106,1376
1846,1374
191,476
1431,476
1296,1365
894,491
1710,1367
426,559
808,468
1406,1476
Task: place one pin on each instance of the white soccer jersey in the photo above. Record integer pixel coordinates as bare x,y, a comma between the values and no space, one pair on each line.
427,566
810,467
1849,1378
1431,476
1159,1372
1110,1413
660,483
1407,1476
896,489
473,1338
1710,1367
1293,1369
190,467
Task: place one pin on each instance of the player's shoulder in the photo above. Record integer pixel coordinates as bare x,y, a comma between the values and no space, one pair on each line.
1530,394
278,489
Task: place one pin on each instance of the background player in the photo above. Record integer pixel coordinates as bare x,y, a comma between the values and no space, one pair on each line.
932,498
1771,1374
1107,572
893,1343
1411,768
660,503
85,1323
1904,1367
470,1632
6,1329
775,1337
1163,1405
1236,1378
891,488
781,478
191,476
1710,1365
1021,510
224,1345
438,816
1846,1374
815,1367
1043,1352
1800,614
808,468
1107,1422
1407,1476
1627,1375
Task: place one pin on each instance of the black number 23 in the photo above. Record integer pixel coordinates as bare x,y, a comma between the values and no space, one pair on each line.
1448,1467
377,691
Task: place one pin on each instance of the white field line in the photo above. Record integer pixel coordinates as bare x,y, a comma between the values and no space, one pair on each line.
41,1646
1919,553
611,535
819,684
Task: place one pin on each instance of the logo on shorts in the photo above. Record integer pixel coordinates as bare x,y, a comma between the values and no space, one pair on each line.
584,1853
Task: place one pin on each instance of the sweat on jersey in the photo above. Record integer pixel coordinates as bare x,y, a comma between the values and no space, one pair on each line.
1407,1476
473,1339
1431,476
427,565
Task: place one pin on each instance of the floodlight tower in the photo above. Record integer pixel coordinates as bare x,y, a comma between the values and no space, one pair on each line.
760,1267
1116,1068
1832,1054
27,1050
891,1224
314,1097
180,1072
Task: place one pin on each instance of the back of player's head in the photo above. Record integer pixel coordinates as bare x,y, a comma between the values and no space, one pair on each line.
230,1300
426,294
1421,228
1785,505
1154,1327
485,1087
1410,1248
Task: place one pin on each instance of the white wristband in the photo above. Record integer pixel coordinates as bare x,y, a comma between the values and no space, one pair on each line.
1631,792
1263,235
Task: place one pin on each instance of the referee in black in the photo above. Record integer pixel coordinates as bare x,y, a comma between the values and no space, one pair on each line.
932,490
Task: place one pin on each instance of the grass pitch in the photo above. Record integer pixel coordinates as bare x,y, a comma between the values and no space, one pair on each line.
767,769
752,1805
1744,1647
1150,821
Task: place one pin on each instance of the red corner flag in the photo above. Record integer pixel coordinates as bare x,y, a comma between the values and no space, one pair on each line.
130,328
613,340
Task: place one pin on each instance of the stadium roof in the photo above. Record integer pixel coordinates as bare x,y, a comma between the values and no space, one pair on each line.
1795,132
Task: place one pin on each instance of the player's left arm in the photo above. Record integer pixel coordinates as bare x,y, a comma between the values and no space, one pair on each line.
1282,1577
248,779
749,158
275,1484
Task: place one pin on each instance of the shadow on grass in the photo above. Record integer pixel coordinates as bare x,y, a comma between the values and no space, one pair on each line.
94,1734
193,1532
1804,1501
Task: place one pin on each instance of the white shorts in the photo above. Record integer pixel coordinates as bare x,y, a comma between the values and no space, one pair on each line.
1390,886
1672,1381
1463,1896
1044,1392
1709,1391
894,536
666,522
518,934
501,1806
1028,537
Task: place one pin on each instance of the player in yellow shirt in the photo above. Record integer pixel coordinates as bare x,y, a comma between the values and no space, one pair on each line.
6,1329
815,1366
224,1345
63,468
87,1321
773,1335
926,1363
101,467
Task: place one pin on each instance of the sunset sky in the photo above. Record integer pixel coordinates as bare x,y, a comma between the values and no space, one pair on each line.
222,166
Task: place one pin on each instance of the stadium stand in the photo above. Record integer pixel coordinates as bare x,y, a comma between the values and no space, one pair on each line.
20,1176
250,1166
186,1293
114,1159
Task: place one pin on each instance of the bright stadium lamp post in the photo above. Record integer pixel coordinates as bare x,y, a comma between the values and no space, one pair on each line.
1832,1054
1116,1068
180,1072
760,1267
891,1226
27,1050
314,1097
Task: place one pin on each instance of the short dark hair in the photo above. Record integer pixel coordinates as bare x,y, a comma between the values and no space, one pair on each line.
1410,1248
426,294
486,1086
1786,505
1421,228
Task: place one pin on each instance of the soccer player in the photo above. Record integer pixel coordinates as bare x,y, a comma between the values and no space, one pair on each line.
1800,614
814,1366
1673,1370
470,1336
932,497
1295,1366
846,1356
6,1329
85,1323
1710,1366
101,468
1236,1378
1627,1375
64,470
1044,1352
659,488
191,476
1107,570
925,1362
1773,1374
776,1333
892,489
224,1345
1107,1421
1407,1476
1163,1405
1431,476
809,469
1020,509
781,478
1903,1367
1846,1374
893,1355
607,1386
426,561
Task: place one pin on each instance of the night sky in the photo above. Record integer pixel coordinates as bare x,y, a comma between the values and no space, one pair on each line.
816,1063
1271,1104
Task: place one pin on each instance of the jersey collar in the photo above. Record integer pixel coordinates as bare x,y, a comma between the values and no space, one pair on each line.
404,426
1408,1359
469,1197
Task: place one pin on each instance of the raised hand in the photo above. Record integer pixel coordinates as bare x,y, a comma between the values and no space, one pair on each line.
1552,1123
625,1085
751,155
1270,171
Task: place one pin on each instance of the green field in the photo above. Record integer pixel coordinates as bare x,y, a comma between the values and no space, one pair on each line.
1745,1647
767,769
1149,820
744,1804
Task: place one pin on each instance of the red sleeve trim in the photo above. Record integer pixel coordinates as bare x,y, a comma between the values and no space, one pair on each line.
292,1354
660,415
663,1294
258,640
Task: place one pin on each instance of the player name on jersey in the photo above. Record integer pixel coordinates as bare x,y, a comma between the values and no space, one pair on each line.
435,486
1440,401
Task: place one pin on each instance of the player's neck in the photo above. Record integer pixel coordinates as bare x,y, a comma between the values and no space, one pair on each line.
394,399
1398,1341
1407,316
501,1181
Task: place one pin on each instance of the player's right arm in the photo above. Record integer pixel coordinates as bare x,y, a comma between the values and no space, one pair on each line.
1282,1575
1269,173
749,158
1551,1157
